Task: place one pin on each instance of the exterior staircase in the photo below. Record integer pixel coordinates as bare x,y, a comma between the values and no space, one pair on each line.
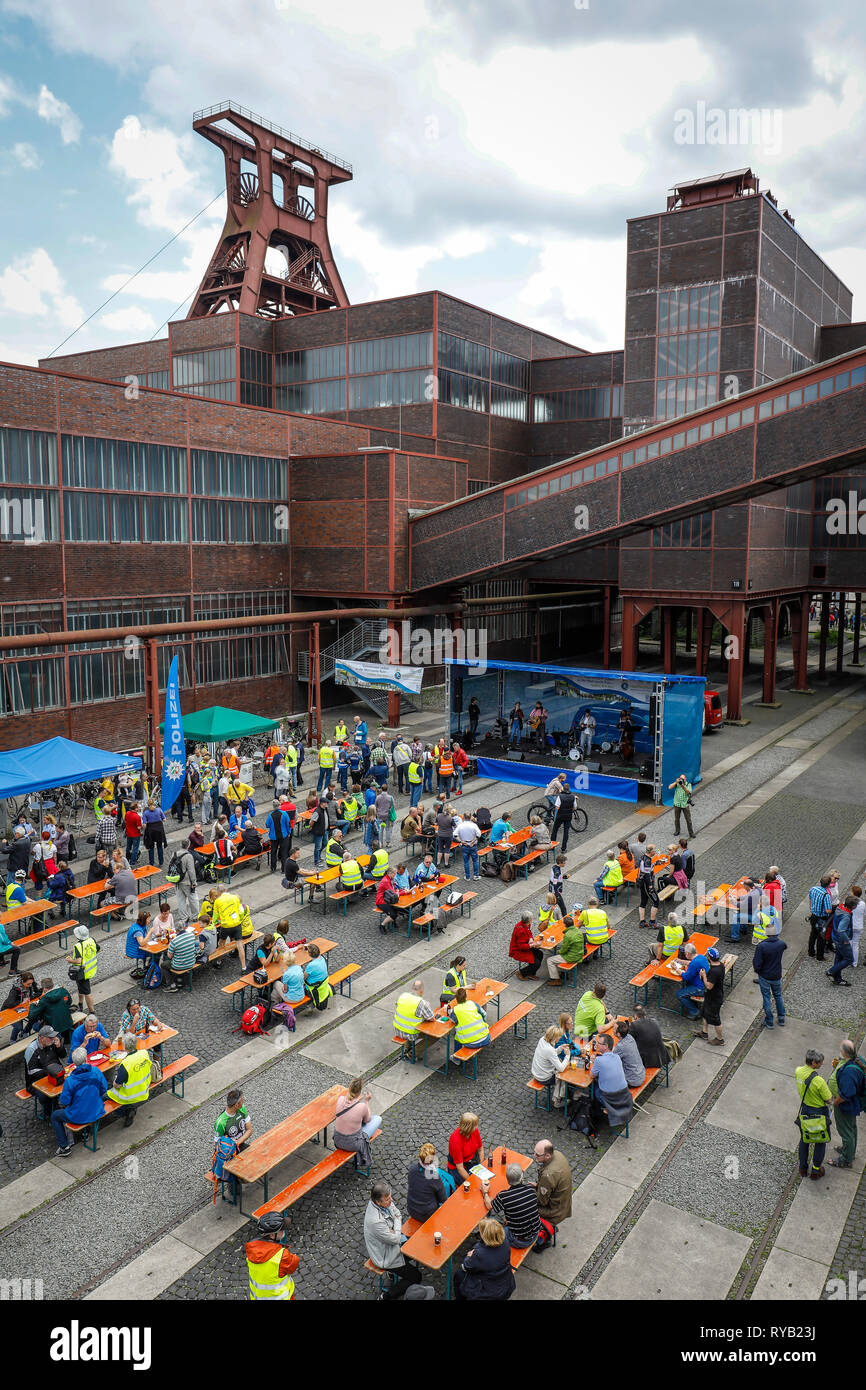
361,643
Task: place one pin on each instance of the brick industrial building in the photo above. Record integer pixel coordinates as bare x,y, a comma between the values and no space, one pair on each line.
282,449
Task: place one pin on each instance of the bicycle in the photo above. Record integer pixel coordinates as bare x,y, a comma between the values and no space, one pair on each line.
579,818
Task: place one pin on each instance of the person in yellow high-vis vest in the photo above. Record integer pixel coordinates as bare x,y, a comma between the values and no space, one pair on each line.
327,763
471,1021
131,1086
340,732
84,953
228,917
415,775
610,876
270,1265
594,922
671,937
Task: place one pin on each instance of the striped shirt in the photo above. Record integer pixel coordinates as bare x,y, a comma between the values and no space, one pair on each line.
519,1208
181,951
820,902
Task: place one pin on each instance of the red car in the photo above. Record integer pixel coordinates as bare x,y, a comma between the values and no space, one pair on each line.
713,716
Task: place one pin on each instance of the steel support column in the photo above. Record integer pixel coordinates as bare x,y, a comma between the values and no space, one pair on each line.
605,660
153,757
858,604
629,645
800,641
825,629
840,630
771,637
669,639
736,631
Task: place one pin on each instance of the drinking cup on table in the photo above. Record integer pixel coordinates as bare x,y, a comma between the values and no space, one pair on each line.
437,1237
466,1186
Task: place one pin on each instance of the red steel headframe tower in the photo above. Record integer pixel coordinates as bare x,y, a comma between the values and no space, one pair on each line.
266,168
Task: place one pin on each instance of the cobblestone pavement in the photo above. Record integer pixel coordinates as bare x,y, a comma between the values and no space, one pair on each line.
795,829
807,834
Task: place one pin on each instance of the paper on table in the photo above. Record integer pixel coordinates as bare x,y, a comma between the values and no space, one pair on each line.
483,1174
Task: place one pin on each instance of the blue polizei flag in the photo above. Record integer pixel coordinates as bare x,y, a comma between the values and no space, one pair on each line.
173,745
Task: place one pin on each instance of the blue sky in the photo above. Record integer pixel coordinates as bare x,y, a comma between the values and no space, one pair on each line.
498,147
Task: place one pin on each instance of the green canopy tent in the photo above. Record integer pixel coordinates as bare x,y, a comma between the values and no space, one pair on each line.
217,724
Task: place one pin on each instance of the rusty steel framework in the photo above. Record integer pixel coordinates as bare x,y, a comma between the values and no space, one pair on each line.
266,169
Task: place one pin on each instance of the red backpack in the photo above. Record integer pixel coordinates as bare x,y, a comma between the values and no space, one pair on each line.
253,1019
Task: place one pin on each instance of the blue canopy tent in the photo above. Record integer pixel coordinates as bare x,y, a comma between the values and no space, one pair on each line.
58,762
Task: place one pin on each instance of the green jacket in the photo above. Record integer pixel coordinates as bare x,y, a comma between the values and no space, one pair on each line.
573,944
54,1008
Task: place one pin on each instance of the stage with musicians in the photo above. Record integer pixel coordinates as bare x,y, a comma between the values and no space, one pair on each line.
616,734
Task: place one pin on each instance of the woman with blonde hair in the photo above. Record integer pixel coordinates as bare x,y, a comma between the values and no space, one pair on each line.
465,1147
548,914
427,1186
355,1123
486,1273
549,1059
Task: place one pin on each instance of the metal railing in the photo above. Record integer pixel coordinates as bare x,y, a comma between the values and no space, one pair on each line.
362,638
274,129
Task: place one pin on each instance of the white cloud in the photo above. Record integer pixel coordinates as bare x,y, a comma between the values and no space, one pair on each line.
32,284
26,156
128,320
56,112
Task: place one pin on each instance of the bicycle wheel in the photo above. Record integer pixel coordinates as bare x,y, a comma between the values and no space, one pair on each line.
540,808
579,819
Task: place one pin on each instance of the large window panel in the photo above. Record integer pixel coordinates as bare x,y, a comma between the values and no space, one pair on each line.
28,456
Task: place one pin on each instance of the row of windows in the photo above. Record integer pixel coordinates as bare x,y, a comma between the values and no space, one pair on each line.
122,465
476,359
684,439
311,364
386,354
688,353
254,394
585,403
313,398
685,395
251,602
97,677
257,366
30,516
468,392
510,405
841,525
563,483
157,381
392,388
100,516
28,456
239,475
697,307
692,533
192,370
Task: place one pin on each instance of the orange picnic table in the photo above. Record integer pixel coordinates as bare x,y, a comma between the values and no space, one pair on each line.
152,1041
324,876
723,894
31,908
701,942
276,969
255,1162
484,993
100,885
407,901
515,841
457,1217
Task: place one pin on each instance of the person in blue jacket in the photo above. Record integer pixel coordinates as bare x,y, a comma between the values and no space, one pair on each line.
360,734
82,1100
278,832
90,1035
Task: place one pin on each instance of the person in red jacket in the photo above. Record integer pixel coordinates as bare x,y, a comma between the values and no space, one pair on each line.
524,948
771,889
269,1264
132,826
389,909
461,762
